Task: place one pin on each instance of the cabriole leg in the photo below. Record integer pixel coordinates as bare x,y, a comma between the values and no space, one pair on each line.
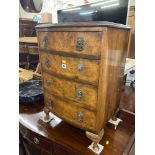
46,117
95,138
46,111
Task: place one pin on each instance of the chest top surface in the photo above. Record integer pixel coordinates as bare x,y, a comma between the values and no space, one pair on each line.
82,24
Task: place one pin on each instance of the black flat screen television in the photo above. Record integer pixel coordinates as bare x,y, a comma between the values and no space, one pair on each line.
108,10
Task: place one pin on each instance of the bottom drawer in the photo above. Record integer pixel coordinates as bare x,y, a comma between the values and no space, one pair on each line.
70,112
36,140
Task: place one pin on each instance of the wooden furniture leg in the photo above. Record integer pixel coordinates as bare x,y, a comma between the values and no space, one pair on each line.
46,111
95,138
46,117
114,117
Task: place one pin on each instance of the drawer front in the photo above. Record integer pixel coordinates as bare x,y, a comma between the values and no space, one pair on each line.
68,111
83,94
36,140
88,43
80,69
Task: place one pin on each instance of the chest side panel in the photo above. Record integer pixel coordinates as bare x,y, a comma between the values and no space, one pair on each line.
115,43
117,50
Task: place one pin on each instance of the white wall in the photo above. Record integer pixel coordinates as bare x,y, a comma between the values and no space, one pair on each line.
132,2
52,6
81,2
48,6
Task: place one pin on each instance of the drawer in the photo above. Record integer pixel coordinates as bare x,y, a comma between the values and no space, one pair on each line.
36,140
87,43
79,69
83,94
68,111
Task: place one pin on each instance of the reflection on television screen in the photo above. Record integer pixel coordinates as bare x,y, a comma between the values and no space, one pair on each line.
108,10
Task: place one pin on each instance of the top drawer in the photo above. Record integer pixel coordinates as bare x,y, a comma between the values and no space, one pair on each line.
87,43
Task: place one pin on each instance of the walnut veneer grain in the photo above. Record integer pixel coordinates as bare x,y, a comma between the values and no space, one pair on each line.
101,49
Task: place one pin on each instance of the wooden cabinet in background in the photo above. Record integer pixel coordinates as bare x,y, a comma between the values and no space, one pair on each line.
131,22
27,27
28,52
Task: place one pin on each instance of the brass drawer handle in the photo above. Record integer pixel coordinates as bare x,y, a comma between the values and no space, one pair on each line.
80,44
36,140
80,67
79,93
47,62
80,116
45,42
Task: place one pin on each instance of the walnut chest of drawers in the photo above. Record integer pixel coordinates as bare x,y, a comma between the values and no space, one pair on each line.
82,69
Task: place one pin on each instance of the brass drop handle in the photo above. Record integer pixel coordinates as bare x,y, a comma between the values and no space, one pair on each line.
80,44
45,41
80,116
36,140
79,93
80,67
47,62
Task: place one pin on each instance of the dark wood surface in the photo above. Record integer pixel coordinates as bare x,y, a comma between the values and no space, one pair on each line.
127,99
73,140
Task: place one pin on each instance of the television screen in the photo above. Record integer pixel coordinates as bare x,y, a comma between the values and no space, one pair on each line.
108,10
